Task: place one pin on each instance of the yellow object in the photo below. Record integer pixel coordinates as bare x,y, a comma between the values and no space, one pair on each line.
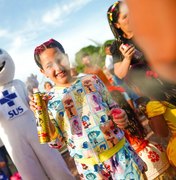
102,156
42,117
55,135
155,108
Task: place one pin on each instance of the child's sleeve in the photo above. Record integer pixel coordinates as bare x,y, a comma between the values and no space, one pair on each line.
56,137
155,108
106,96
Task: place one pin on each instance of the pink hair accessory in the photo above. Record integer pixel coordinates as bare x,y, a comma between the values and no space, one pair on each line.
42,47
151,74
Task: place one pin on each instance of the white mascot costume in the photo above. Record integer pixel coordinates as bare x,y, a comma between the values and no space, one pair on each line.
18,130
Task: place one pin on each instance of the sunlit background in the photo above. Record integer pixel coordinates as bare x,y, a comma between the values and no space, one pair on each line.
26,24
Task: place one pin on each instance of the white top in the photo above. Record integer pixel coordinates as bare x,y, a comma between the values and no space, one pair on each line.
109,62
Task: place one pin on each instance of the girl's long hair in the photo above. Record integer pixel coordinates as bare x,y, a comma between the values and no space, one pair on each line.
112,16
134,126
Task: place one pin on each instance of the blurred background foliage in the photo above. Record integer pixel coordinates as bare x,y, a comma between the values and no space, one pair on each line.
97,53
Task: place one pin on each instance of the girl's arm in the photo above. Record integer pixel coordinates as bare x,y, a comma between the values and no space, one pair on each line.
159,126
121,68
155,111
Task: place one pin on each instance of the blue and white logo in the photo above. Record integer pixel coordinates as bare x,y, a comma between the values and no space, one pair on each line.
11,104
8,98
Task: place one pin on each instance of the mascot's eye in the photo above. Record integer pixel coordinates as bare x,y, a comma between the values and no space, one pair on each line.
1,51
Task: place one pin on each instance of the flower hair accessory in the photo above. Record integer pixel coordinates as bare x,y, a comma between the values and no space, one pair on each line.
111,11
48,44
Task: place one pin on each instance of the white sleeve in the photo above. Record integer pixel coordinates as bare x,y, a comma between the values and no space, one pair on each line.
109,62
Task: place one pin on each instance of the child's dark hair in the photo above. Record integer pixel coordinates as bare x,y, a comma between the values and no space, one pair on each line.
112,16
85,55
150,84
134,126
107,45
46,45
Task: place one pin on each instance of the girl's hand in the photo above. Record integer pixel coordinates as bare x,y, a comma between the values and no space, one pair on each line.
119,117
127,51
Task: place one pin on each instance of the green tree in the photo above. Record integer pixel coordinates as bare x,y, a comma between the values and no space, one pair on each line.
96,52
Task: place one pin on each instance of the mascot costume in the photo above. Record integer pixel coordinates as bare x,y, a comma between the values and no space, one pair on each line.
31,82
18,130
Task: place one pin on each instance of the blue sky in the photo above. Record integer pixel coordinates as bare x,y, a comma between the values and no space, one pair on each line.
27,23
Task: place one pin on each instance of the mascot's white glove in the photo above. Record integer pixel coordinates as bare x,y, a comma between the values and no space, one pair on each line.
31,83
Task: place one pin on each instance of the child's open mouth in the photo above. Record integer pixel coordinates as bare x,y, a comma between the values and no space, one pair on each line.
61,74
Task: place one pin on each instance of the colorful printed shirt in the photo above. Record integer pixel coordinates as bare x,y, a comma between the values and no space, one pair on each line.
80,113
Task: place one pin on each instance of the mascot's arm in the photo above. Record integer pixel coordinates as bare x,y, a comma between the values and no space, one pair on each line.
21,88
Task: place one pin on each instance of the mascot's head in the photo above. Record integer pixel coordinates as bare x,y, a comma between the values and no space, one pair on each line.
7,68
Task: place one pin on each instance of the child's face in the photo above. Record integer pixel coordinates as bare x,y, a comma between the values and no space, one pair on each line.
55,66
86,60
107,50
48,86
123,20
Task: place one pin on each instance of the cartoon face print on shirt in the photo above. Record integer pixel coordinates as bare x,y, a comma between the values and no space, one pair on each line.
95,136
86,117
69,106
85,121
91,176
55,105
101,147
95,102
109,135
88,85
103,119
79,96
100,117
98,82
83,144
76,126
60,120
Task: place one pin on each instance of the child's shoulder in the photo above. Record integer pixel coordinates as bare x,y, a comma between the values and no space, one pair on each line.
155,108
89,76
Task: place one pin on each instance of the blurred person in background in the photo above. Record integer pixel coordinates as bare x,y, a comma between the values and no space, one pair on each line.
48,86
124,51
109,64
160,34
90,68
160,108
151,152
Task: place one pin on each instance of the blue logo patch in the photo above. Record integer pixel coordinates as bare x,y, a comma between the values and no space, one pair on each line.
8,98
